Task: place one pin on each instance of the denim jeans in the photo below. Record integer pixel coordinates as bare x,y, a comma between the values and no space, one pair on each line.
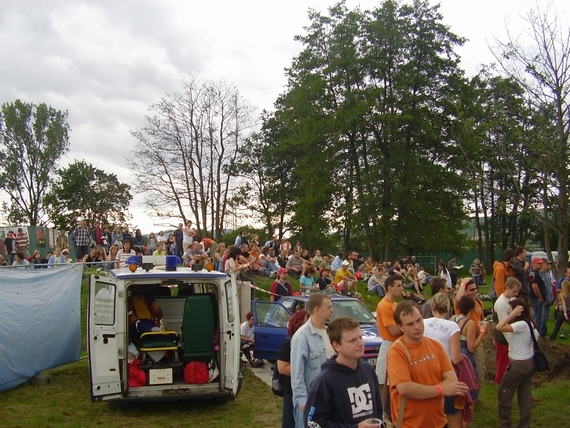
287,418
299,419
560,319
537,313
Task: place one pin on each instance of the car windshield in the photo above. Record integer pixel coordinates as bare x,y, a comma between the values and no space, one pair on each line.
353,309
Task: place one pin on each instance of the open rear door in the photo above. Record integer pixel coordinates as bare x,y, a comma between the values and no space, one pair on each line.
229,334
103,337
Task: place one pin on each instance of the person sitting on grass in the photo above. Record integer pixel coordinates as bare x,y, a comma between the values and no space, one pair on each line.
376,282
345,280
307,281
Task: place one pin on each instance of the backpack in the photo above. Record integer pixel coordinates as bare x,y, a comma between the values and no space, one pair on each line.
277,382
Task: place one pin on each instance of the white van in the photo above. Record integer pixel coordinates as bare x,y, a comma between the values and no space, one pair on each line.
202,326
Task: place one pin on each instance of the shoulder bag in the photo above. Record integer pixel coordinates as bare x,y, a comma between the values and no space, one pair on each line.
539,358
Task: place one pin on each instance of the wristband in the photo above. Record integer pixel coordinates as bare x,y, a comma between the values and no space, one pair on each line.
482,331
439,390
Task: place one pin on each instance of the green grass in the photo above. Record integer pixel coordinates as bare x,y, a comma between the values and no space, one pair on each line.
65,402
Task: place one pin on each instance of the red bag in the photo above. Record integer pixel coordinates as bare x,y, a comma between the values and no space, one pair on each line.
196,372
137,376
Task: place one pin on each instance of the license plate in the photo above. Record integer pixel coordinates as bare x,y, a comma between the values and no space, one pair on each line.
372,361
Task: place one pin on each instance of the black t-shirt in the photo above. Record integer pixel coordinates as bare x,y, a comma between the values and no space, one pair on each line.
323,282
541,285
178,237
283,289
284,354
9,245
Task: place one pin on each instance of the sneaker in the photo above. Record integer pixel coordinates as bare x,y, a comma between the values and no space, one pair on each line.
562,336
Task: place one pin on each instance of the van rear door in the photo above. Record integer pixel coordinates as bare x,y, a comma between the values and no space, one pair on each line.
229,334
104,338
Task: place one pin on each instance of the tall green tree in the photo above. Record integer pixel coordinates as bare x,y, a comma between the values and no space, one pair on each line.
495,134
267,183
369,102
540,63
33,138
84,191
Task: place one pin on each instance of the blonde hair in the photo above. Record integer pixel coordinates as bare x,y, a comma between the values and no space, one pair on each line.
440,303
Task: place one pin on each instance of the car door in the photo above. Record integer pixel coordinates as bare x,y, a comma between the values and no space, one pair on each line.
104,339
271,322
229,334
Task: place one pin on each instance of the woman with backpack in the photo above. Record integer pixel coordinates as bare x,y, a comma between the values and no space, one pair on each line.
469,339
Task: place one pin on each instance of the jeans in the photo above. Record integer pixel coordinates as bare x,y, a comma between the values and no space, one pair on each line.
538,314
518,377
299,418
560,319
287,418
377,290
545,313
247,348
476,280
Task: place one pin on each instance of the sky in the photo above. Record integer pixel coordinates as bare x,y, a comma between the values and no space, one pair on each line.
106,62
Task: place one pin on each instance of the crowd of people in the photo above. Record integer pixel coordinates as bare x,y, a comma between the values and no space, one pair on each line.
430,365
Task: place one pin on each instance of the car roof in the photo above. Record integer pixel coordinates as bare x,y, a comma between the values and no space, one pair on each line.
306,298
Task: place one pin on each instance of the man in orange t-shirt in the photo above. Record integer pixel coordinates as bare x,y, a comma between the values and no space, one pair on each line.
424,380
387,327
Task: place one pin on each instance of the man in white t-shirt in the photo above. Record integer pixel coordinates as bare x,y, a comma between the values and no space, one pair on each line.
247,337
501,310
188,234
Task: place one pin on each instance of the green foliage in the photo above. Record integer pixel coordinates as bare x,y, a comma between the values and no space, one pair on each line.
32,140
84,191
368,109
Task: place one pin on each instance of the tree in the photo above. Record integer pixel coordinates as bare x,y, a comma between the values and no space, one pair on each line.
185,160
32,140
539,61
267,183
495,136
84,191
369,108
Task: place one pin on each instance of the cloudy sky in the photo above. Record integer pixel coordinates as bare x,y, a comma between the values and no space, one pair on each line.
107,61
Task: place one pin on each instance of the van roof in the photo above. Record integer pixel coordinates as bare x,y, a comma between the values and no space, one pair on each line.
180,273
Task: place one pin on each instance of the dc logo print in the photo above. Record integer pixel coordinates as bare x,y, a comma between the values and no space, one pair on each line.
360,398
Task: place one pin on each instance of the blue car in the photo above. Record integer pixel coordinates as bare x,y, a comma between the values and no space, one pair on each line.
272,318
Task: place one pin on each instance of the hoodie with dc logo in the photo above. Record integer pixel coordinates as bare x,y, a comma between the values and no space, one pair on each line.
342,397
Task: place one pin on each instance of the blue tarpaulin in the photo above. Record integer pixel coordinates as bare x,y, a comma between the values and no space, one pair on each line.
40,321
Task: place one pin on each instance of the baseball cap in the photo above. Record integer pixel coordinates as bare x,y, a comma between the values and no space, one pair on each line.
282,270
536,260
345,263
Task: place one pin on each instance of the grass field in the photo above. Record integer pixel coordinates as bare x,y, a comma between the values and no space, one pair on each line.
65,402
